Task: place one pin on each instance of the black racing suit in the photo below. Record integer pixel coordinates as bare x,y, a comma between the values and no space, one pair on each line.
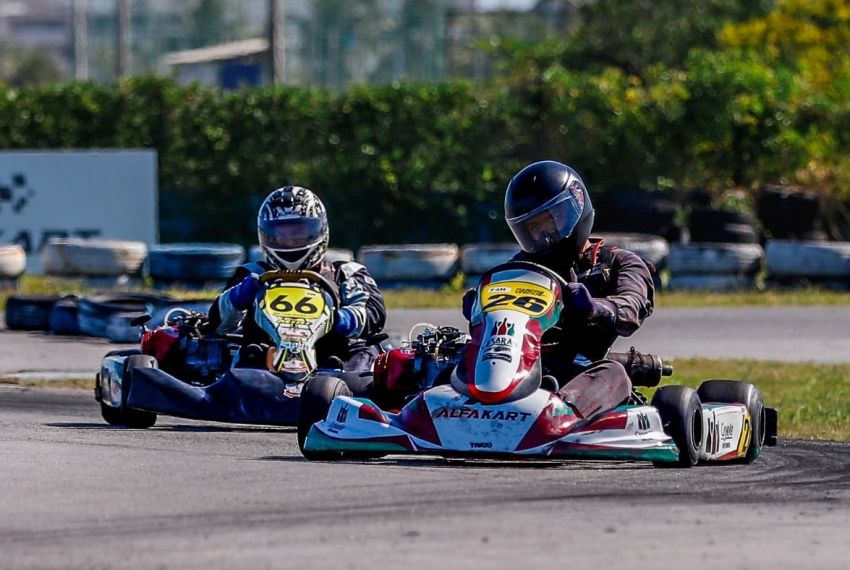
621,284
357,291
574,351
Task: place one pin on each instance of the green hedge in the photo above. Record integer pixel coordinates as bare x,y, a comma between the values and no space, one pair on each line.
412,162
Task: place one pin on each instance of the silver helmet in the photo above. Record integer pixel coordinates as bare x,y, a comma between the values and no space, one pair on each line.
292,228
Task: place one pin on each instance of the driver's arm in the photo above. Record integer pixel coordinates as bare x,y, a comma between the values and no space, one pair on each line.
633,296
361,298
224,317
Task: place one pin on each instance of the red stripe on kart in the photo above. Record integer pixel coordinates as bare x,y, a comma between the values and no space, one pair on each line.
415,419
611,420
548,427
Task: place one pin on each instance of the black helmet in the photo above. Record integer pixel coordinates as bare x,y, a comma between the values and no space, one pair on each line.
292,227
547,205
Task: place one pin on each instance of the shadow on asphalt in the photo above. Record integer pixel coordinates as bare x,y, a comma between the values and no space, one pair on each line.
465,463
178,428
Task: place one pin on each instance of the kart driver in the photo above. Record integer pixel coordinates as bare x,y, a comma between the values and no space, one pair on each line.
609,293
293,233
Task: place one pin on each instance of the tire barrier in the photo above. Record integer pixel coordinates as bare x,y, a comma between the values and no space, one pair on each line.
790,213
648,247
336,254
709,225
194,263
13,262
715,267
413,265
64,316
29,313
92,257
715,259
95,316
814,261
477,258
633,211
333,254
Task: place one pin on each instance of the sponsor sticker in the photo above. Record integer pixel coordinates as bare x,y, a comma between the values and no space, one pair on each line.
527,298
467,412
497,356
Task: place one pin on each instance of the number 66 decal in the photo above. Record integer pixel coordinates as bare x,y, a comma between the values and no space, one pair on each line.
289,301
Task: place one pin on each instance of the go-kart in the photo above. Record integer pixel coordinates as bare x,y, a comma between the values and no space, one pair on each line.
486,395
182,370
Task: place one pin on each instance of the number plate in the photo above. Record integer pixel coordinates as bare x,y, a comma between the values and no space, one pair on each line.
528,298
288,301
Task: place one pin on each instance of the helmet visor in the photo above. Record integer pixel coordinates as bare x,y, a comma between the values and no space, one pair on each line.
292,233
549,223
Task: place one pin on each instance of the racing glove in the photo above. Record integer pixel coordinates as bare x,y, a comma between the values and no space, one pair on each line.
345,322
581,303
242,294
468,301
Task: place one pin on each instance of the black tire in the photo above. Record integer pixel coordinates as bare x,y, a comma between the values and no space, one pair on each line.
721,226
29,313
316,398
95,311
111,415
737,392
681,416
136,419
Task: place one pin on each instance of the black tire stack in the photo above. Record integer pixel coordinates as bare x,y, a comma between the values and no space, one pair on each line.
194,264
798,253
723,253
630,210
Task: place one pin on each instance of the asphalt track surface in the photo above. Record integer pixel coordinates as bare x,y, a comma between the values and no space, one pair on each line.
75,493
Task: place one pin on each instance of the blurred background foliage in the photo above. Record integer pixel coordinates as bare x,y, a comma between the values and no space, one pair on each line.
663,96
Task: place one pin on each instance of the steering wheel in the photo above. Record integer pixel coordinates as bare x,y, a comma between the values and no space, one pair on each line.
534,267
310,276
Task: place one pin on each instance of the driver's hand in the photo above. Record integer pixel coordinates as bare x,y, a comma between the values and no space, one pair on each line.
578,299
345,321
242,294
580,303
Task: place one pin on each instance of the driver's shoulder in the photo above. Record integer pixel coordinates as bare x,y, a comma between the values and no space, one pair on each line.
348,269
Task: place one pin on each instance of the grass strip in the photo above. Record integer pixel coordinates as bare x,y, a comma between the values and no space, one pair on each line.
813,399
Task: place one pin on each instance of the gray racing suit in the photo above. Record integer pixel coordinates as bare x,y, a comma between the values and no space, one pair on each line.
358,292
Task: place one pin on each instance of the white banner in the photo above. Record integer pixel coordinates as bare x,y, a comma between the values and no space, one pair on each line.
109,194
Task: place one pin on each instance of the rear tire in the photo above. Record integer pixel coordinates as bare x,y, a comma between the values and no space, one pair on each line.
681,416
316,398
136,419
737,392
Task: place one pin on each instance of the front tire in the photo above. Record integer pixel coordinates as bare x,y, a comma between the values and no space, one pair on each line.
681,415
132,418
316,398
737,392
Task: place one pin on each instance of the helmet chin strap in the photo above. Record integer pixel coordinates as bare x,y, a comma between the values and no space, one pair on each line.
273,259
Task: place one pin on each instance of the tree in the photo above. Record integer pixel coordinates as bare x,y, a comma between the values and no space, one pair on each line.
635,34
